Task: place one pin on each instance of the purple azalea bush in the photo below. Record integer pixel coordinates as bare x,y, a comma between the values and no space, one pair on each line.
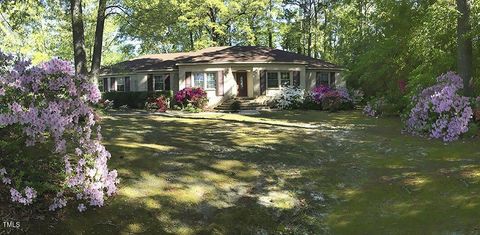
331,98
48,105
194,96
440,111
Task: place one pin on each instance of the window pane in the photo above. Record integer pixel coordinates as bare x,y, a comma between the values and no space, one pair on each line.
211,80
322,79
198,80
285,79
159,82
120,84
272,80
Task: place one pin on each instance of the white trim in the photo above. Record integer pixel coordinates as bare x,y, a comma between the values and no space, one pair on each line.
240,62
329,69
137,72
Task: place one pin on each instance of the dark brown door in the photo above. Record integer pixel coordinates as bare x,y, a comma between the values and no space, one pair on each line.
241,78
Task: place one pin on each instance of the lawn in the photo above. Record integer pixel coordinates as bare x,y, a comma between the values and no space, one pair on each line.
301,172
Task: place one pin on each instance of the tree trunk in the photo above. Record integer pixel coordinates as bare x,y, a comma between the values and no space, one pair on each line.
192,42
97,48
270,25
79,55
464,46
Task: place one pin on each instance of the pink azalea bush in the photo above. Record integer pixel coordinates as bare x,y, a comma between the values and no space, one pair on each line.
330,98
194,97
440,111
47,105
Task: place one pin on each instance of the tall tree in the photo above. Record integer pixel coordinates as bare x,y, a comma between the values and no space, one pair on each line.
464,46
79,55
97,48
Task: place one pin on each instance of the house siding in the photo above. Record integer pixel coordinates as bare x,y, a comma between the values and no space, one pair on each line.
139,81
311,78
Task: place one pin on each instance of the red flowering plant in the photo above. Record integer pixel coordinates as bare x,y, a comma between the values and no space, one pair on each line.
192,97
159,104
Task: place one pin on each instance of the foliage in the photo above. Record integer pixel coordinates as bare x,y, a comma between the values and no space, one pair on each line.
29,26
374,108
331,99
192,98
159,104
440,111
235,106
134,99
105,104
47,108
290,97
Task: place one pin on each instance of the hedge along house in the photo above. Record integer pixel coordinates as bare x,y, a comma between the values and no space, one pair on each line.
224,73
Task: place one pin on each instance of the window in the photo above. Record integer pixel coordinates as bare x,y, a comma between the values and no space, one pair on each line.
159,82
285,79
211,81
199,80
322,79
120,84
272,80
100,85
207,81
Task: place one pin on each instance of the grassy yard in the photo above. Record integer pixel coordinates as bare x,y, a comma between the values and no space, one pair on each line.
291,172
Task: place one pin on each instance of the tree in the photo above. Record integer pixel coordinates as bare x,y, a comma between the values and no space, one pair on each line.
97,49
464,46
79,55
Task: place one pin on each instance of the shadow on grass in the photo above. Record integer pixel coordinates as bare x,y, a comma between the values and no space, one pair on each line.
205,176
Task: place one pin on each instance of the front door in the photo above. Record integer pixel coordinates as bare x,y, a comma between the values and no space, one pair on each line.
241,78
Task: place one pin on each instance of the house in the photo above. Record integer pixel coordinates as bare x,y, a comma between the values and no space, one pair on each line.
224,72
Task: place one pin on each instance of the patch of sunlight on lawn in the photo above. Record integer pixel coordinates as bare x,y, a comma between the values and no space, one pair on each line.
135,228
158,147
278,199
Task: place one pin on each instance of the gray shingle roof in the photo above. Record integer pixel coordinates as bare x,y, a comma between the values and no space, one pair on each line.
231,54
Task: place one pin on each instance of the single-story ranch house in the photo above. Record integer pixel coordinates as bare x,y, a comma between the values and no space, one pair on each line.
224,72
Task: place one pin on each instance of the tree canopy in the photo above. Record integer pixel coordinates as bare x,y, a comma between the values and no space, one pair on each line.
380,43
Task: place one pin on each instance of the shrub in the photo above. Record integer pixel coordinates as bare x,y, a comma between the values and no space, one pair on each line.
235,106
134,99
192,98
376,107
105,104
159,104
440,111
51,144
331,99
476,110
289,98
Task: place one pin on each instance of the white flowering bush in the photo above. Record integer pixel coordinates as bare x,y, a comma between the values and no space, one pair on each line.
290,97
50,143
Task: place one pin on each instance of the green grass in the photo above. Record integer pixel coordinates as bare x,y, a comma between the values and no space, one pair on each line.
292,172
